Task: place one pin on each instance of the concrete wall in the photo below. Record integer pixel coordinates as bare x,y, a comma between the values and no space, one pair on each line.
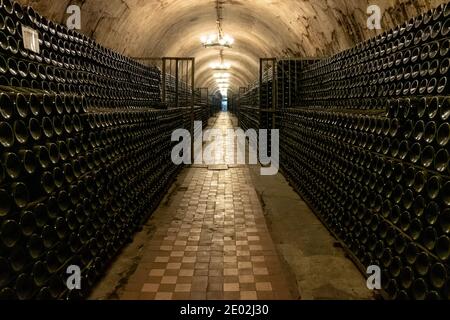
262,28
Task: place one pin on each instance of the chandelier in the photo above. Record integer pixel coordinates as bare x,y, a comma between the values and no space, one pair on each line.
218,39
224,75
221,65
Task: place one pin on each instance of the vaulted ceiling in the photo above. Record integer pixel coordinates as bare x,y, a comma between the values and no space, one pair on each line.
262,28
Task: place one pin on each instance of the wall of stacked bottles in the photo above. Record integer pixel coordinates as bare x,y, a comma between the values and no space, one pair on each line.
184,93
266,102
288,80
180,97
373,130
289,86
84,156
71,63
232,103
203,112
215,104
248,108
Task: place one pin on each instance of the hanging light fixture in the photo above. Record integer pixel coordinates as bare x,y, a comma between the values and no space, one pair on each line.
222,41
218,39
224,75
222,81
222,65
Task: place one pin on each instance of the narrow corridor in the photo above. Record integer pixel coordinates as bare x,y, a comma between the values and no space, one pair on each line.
209,239
216,247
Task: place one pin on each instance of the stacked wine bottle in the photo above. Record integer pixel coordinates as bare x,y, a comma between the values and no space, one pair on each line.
367,146
410,60
288,80
69,62
85,155
248,109
381,186
75,186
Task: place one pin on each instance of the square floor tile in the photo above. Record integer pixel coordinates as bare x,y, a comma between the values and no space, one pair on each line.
199,286
181,296
169,280
171,272
161,259
184,279
216,272
177,254
147,296
246,279
263,286
250,286
130,295
198,295
189,259
214,295
201,266
230,287
183,287
153,279
229,259
257,259
265,295
156,272
186,273
231,295
163,296
173,265
201,272
150,287
260,271
230,272
249,295
244,265
215,287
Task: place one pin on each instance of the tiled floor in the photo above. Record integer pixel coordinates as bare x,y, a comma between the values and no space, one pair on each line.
217,247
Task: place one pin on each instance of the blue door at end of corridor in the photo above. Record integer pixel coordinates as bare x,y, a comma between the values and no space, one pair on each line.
224,105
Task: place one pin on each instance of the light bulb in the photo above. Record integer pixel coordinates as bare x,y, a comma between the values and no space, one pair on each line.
222,75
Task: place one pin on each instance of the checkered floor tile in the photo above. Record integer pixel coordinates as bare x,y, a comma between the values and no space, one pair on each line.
217,247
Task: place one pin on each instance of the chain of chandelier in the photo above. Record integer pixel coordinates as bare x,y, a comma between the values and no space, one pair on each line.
221,41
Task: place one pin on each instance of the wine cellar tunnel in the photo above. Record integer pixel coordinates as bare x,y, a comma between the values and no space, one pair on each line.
92,93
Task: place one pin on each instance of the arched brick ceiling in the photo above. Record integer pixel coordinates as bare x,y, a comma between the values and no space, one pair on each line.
262,28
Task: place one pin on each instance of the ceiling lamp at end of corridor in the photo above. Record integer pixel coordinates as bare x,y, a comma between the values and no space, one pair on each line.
223,91
220,66
224,75
222,81
216,40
